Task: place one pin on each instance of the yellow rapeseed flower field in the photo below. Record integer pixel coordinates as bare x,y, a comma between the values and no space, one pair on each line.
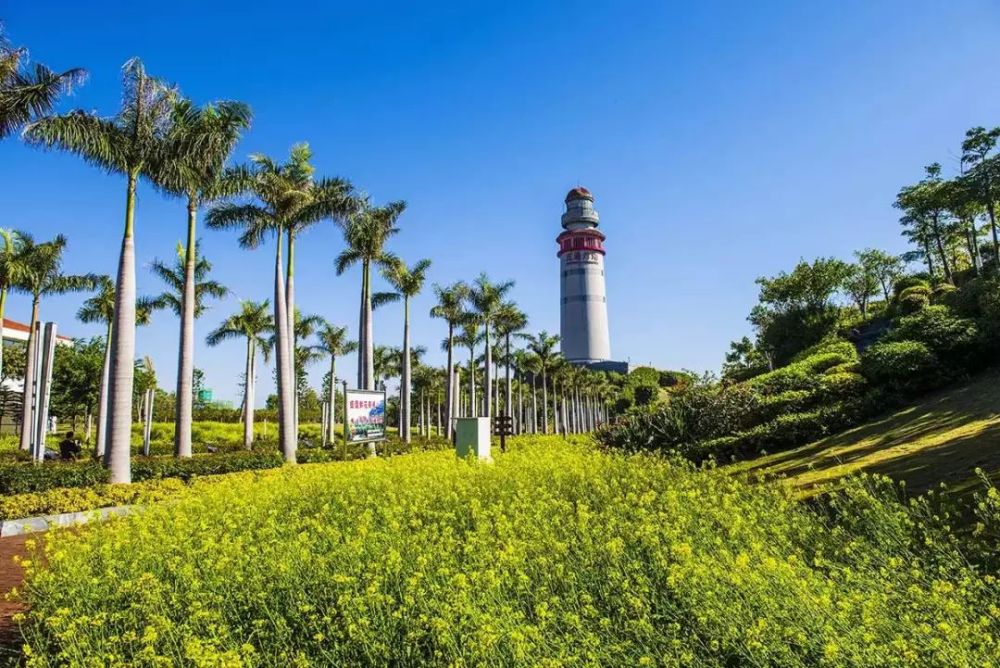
554,555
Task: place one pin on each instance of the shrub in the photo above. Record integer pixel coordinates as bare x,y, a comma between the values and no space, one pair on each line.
152,468
791,377
551,556
903,366
843,385
906,282
645,394
943,293
836,345
29,477
952,339
785,431
791,401
846,367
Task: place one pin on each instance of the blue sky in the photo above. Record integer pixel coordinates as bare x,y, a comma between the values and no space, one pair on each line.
723,140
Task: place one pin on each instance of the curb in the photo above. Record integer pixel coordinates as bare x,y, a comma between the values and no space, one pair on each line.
46,522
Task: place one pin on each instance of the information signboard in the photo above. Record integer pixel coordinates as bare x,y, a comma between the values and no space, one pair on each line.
365,415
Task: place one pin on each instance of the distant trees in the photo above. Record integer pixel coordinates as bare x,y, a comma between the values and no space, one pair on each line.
253,323
407,282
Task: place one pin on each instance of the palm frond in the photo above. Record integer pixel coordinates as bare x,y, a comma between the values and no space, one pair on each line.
380,299
98,141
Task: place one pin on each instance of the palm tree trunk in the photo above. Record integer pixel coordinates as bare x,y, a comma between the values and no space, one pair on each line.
332,399
366,318
247,383
292,343
118,455
3,310
487,378
406,381
286,425
102,403
520,402
185,362
545,402
27,433
448,381
472,381
534,404
362,344
251,399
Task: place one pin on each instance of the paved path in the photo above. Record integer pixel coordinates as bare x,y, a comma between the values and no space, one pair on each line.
11,576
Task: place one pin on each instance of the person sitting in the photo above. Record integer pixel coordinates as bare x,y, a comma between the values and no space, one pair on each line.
69,449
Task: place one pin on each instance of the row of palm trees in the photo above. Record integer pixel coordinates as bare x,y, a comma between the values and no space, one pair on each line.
184,151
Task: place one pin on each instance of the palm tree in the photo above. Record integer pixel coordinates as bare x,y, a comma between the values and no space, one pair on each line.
176,279
533,365
27,93
12,268
470,336
252,323
366,232
101,309
486,299
334,342
385,363
509,321
408,282
543,346
303,327
43,276
287,199
129,143
196,149
450,307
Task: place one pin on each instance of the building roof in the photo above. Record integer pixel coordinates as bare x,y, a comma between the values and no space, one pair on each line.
23,329
579,193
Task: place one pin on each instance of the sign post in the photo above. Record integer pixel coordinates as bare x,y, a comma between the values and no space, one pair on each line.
503,427
364,417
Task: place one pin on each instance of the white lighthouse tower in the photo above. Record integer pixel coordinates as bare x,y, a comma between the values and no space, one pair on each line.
584,315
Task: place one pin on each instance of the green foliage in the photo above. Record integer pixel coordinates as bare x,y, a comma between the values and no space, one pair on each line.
906,282
952,339
645,394
17,478
902,366
818,391
551,556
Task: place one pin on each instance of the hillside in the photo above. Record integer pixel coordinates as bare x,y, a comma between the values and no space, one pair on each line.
942,438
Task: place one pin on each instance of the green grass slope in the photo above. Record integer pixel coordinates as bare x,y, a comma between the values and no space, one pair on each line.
942,438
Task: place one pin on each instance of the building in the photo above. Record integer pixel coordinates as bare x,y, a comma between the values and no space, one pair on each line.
18,331
585,339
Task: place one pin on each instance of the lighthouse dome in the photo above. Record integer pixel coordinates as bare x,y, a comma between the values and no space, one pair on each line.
579,193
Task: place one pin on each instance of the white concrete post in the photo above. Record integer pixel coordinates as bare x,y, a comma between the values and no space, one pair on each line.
47,351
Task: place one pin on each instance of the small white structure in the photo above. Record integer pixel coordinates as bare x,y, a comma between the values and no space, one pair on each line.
472,438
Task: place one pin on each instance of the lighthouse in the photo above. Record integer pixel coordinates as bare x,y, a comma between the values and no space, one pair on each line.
584,304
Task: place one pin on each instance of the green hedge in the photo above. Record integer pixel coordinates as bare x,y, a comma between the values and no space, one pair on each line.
24,477
901,366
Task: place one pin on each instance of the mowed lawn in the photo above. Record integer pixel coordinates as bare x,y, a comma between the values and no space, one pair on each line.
942,439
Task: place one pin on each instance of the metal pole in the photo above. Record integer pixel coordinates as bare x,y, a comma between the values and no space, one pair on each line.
346,431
